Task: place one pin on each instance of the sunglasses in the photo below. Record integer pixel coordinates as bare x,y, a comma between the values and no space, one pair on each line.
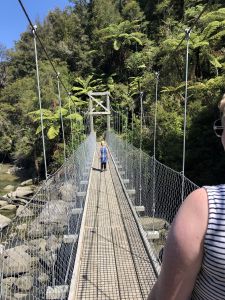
218,128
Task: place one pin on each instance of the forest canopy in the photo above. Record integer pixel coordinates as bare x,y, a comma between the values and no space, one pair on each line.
119,46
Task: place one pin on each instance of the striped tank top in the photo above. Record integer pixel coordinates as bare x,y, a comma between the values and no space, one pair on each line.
210,282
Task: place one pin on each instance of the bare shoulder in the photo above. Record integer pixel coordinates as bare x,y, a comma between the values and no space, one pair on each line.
193,214
197,198
194,208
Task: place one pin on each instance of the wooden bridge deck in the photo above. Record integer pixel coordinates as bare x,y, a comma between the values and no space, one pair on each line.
113,262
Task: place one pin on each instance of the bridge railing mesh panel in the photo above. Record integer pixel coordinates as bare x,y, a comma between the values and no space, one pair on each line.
38,248
154,189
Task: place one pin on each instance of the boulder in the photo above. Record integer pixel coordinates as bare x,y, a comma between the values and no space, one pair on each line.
8,211
48,258
67,191
53,218
22,227
37,229
20,296
43,278
6,287
24,212
22,191
9,188
17,261
38,244
53,243
3,203
55,212
8,207
4,222
24,283
27,182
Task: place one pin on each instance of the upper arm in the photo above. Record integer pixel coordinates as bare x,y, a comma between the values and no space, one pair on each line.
184,249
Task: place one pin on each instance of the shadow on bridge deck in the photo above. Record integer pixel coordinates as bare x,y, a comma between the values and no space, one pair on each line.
112,262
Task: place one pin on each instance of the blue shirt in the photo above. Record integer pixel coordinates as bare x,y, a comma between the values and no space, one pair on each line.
103,152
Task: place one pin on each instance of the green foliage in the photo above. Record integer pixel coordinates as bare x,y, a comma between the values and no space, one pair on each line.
122,34
104,13
116,46
81,86
53,131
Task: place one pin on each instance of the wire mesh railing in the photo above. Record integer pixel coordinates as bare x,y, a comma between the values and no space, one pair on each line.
154,189
38,248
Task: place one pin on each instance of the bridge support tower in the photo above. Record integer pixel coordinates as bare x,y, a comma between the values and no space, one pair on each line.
94,103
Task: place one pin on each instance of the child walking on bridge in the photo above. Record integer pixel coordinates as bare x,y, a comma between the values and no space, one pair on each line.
103,156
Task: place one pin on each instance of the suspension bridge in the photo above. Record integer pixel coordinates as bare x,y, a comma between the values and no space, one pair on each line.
88,234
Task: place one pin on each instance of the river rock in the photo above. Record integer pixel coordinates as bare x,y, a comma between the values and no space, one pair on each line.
6,287
8,211
43,278
52,219
27,182
24,283
4,222
38,229
20,296
9,207
38,244
48,258
67,191
17,261
9,188
24,212
53,243
3,203
22,191
22,227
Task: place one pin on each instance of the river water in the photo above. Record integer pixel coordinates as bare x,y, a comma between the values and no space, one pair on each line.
7,179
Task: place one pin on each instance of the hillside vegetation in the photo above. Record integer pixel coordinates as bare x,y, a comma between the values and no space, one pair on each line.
119,45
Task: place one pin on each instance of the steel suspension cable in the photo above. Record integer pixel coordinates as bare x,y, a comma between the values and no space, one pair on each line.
61,116
119,122
132,142
40,102
154,149
126,128
71,123
155,119
185,109
140,149
42,45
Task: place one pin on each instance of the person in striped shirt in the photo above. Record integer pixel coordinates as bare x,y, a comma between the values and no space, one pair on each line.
193,264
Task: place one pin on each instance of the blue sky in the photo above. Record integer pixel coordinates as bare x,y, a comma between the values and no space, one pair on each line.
13,21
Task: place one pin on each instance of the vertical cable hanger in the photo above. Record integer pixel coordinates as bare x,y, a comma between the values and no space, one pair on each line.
155,119
61,117
140,149
117,127
39,99
71,123
154,148
132,143
187,32
126,142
